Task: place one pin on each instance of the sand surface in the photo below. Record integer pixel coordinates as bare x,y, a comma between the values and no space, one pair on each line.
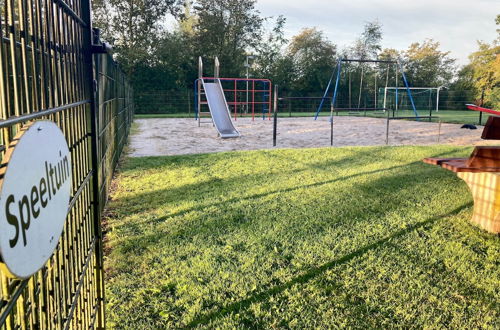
166,136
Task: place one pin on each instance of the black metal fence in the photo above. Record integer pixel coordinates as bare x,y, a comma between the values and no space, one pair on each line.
180,103
50,69
451,108
166,102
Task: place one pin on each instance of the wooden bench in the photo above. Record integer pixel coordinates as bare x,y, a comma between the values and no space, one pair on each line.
481,172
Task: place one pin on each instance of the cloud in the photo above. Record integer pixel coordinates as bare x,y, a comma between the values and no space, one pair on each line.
457,25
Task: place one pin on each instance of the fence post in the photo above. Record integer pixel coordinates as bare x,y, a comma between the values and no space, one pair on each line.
331,123
275,122
480,112
97,230
387,129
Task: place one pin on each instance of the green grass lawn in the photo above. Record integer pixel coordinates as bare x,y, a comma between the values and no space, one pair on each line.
163,115
445,116
313,238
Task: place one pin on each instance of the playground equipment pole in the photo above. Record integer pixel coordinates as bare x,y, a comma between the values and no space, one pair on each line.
339,66
437,98
198,103
385,98
334,98
216,67
408,90
326,93
387,128
247,65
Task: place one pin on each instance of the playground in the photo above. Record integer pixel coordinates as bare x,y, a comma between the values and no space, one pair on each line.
318,176
178,136
244,217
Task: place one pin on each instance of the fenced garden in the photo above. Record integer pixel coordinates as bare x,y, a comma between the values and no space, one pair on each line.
234,220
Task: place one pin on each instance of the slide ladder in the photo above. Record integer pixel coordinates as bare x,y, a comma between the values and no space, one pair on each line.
219,109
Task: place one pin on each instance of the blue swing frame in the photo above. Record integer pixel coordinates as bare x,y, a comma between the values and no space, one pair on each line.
337,80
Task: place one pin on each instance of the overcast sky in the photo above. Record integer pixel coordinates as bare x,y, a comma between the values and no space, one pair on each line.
456,24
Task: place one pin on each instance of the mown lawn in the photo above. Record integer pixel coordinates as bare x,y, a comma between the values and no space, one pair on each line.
312,238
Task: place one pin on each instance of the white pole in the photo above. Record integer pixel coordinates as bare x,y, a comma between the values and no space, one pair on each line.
200,75
385,97
200,67
247,64
437,99
217,67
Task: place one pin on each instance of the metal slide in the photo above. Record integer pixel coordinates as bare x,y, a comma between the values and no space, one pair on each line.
219,109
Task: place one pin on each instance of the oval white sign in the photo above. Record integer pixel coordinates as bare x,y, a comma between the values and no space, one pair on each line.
34,198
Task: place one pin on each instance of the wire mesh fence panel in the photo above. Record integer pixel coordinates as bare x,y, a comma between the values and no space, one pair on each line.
167,102
449,106
114,97
427,99
48,71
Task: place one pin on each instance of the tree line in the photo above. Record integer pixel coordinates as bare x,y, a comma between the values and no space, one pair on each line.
158,43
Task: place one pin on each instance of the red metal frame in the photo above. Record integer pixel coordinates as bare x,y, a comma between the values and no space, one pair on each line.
251,91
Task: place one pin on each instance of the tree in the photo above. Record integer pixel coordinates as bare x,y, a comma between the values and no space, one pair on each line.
368,45
497,21
485,64
465,79
387,72
389,54
427,66
228,29
313,58
176,58
272,62
482,74
132,26
187,20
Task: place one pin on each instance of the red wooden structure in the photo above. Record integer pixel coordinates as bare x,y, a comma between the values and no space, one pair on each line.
245,97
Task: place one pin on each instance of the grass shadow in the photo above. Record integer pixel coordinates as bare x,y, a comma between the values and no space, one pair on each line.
314,272
157,198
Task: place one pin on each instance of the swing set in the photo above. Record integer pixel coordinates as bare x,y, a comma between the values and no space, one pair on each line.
366,97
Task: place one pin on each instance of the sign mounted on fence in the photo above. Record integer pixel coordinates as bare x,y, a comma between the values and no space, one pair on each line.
35,190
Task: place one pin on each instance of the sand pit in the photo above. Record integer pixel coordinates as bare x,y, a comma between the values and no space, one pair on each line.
165,136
